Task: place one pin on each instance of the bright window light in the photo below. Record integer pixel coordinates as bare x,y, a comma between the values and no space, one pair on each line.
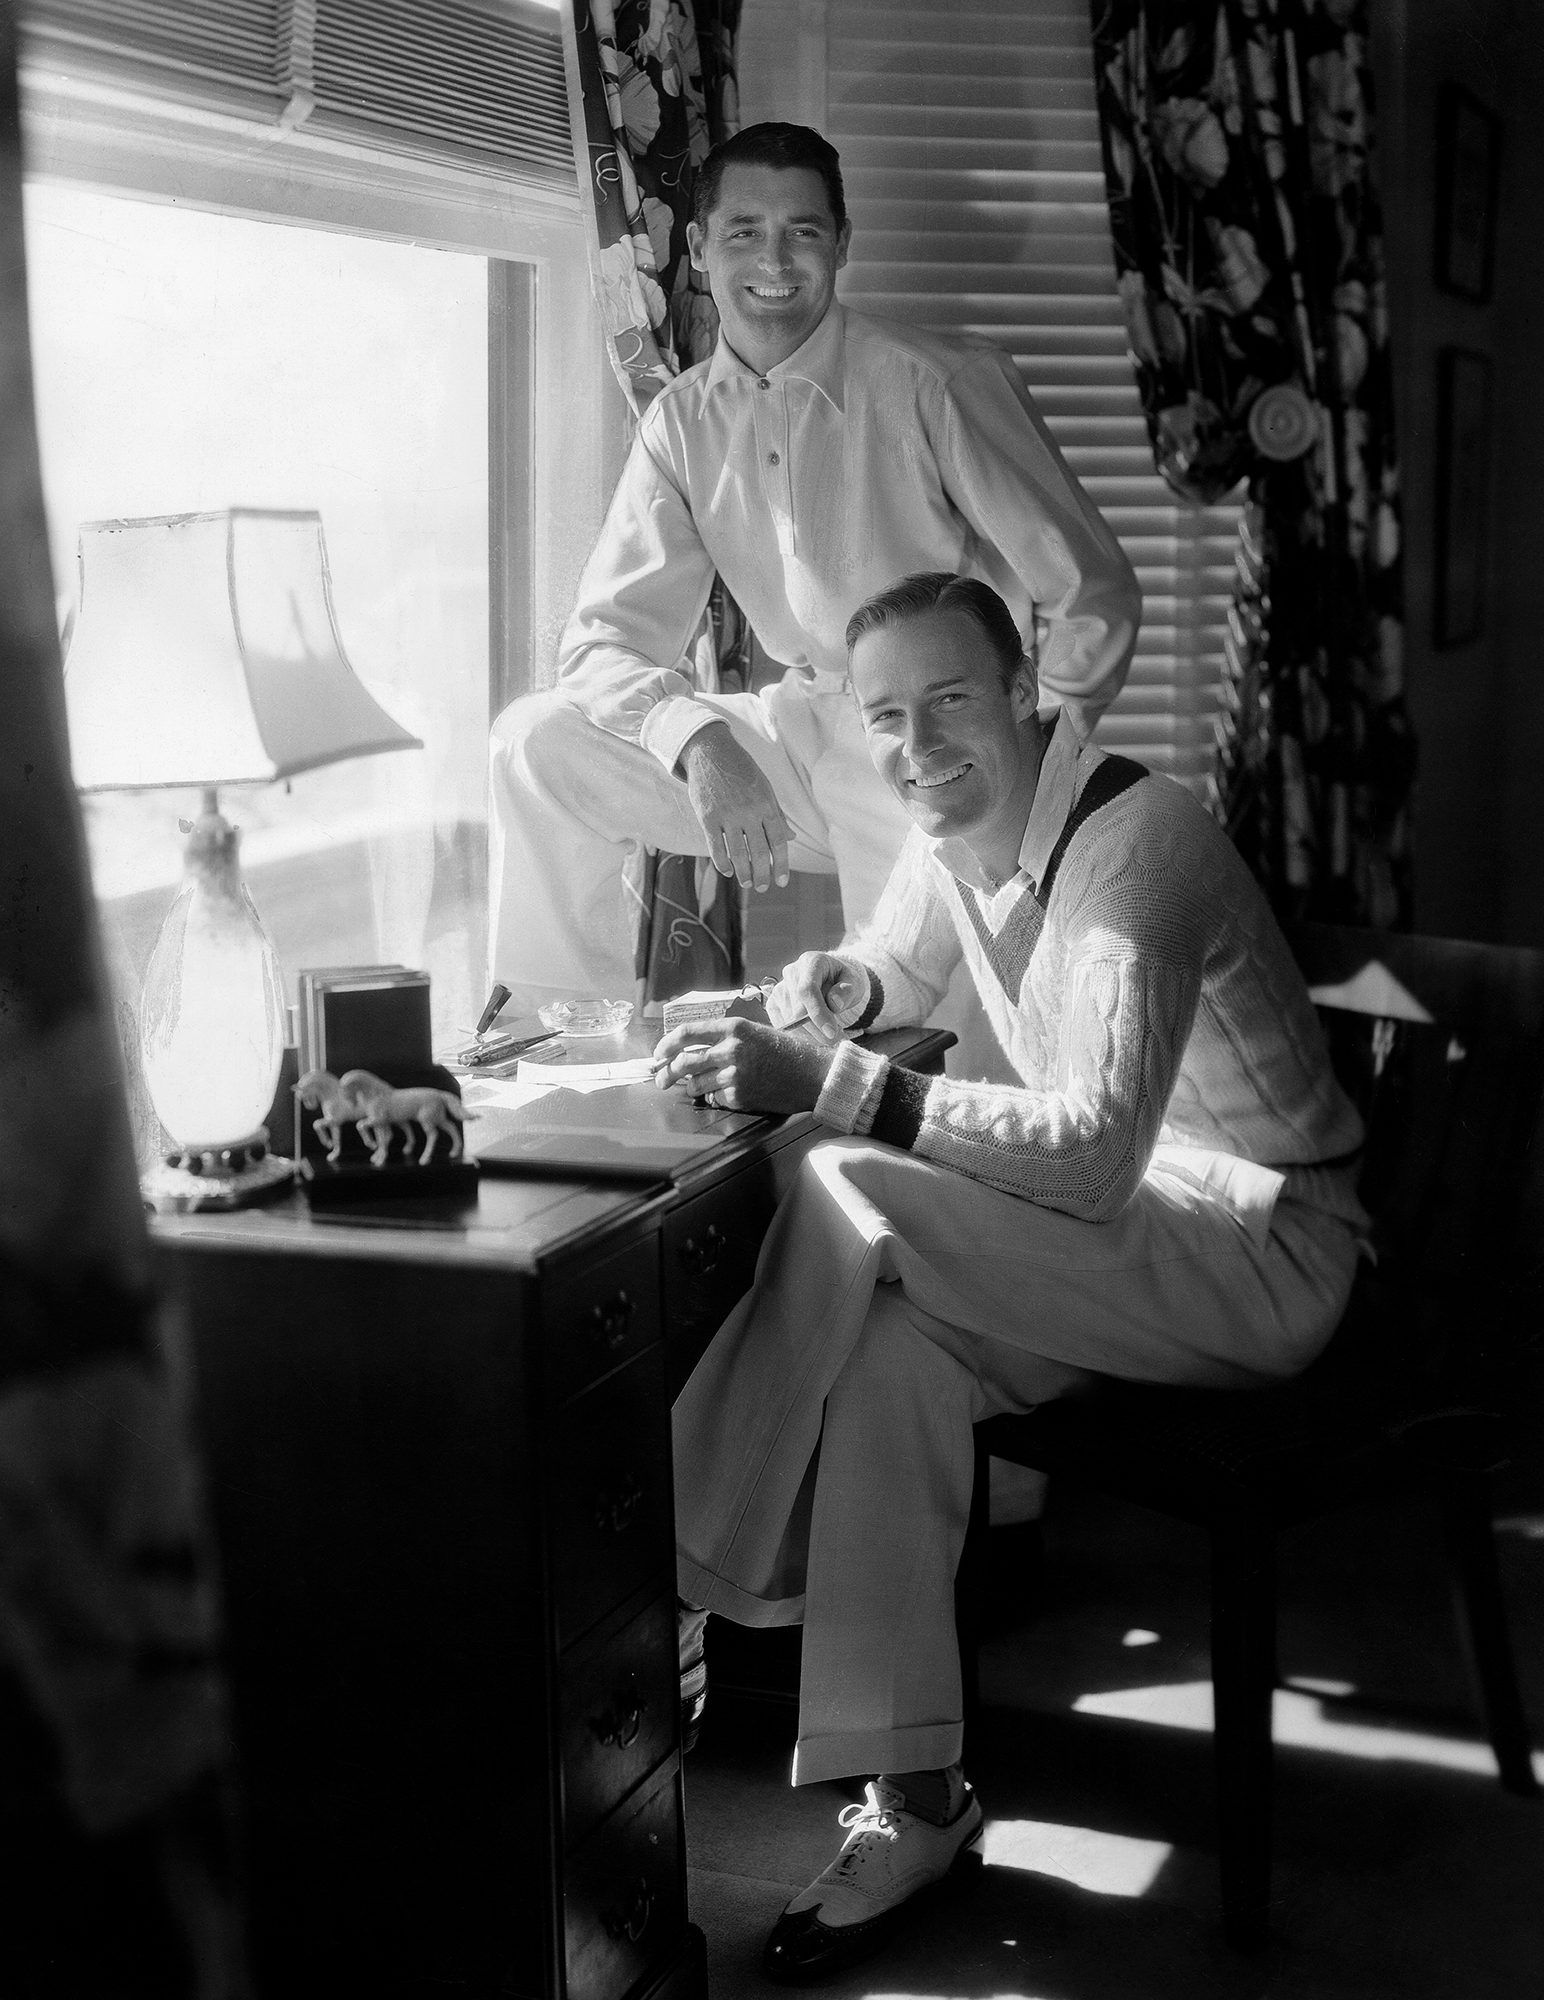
188,361
1298,1720
1140,1636
1109,1864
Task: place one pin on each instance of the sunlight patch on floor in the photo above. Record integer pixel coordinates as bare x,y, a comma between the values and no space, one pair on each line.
1109,1864
1301,1722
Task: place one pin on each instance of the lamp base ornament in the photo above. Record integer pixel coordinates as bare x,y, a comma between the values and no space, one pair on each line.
213,1177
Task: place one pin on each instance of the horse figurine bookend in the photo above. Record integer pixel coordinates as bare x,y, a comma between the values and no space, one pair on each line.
378,1111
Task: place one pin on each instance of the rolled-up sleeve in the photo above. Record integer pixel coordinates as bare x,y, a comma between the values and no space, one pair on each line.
1002,469
623,655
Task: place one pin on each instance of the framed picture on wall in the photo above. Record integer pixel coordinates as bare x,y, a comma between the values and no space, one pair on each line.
1463,488
1468,162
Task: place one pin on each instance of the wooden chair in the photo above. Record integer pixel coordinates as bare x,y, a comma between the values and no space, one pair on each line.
1413,1390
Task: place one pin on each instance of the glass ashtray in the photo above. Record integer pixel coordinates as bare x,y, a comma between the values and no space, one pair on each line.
585,1017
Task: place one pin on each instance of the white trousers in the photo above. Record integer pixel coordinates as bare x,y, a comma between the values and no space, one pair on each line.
568,800
823,1451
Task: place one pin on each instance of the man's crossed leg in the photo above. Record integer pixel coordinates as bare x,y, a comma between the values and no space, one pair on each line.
824,1455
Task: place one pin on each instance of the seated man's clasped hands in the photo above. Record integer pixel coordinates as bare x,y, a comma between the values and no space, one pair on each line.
1166,1194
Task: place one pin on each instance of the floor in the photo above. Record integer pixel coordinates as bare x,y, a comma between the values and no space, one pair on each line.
1402,1869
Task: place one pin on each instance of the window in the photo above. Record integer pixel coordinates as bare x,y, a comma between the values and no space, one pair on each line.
330,257
973,171
188,361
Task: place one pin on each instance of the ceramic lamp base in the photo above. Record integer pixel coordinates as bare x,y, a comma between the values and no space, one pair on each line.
200,1177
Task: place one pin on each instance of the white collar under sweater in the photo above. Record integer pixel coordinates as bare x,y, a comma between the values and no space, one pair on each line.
1065,768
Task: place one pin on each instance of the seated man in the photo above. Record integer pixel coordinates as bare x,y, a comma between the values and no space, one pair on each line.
1168,1196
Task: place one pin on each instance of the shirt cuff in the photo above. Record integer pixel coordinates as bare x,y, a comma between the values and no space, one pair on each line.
671,724
854,1084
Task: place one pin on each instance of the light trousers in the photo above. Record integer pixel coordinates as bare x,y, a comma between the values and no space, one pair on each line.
567,801
823,1449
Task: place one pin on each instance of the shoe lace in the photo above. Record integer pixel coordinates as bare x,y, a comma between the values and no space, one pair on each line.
870,1824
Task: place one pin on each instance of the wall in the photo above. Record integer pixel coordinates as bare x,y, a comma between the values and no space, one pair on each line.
1477,708
1520,582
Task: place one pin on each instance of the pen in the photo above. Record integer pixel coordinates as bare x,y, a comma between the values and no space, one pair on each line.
490,1013
507,1047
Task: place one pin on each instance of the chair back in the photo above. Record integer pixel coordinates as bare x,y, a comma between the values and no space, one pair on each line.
1440,1043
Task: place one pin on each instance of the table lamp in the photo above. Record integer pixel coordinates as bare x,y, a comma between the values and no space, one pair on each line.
205,653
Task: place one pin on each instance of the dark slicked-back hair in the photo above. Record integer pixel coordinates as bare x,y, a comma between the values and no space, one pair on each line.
942,590
781,146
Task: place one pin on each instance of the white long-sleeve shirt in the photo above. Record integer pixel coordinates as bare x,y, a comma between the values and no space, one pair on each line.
1151,1007
873,452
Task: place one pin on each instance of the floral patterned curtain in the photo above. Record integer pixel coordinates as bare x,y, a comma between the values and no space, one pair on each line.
651,88
1238,140
117,1858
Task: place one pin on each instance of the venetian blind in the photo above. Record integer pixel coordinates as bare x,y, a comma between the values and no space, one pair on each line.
970,152
476,81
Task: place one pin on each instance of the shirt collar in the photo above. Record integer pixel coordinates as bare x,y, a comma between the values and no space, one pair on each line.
820,361
1062,765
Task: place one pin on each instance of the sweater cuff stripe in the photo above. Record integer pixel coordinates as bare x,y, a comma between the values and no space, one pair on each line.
873,1007
902,1108
850,1094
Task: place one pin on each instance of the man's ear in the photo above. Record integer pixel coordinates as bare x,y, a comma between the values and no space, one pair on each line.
697,245
843,239
1024,691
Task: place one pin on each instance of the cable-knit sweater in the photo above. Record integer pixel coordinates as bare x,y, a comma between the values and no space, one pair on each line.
1152,1006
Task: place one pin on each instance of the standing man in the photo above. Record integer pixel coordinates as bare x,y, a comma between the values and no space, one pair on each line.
817,456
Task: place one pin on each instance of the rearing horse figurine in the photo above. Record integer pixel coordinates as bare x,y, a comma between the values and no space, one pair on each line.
320,1090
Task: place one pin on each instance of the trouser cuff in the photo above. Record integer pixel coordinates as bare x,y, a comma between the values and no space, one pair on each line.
926,1746
715,1593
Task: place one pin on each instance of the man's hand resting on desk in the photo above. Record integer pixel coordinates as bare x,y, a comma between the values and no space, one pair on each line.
743,1065
746,832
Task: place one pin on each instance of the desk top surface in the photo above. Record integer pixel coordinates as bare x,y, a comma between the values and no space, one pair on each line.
510,1223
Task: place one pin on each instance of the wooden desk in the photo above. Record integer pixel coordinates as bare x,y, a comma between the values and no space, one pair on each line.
438,1461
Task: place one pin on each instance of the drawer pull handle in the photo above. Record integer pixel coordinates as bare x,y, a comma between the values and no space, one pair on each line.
632,1922
700,1257
610,1320
621,1727
616,1512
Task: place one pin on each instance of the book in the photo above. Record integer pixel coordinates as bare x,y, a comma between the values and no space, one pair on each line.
372,1017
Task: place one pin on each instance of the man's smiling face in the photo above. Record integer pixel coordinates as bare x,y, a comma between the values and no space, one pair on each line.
771,250
955,746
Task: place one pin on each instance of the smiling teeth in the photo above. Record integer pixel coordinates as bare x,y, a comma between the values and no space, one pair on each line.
943,778
772,291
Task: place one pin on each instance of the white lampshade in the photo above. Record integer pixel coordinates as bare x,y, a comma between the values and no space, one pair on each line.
205,652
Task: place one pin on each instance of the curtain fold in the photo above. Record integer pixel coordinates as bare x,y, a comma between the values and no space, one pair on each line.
1238,156
651,88
116,1855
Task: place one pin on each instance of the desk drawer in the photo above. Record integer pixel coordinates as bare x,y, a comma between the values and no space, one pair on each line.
610,1484
599,1315
711,1245
624,1901
619,1695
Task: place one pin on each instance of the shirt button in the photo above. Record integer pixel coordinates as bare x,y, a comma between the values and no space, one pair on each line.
763,383
774,459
